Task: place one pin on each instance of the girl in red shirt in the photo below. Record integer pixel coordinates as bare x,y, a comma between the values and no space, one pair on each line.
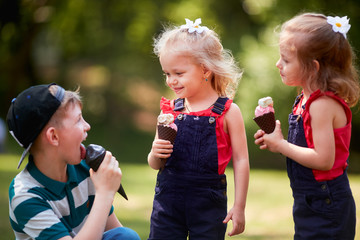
316,56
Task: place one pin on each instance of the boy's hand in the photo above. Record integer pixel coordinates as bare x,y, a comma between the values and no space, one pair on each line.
108,177
238,219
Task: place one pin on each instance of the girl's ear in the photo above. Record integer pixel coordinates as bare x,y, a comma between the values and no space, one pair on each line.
207,73
316,65
52,136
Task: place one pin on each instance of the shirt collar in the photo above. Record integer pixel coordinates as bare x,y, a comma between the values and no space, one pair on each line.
53,185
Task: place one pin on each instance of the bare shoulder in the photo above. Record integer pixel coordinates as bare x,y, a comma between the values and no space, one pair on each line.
234,109
328,109
325,104
233,115
234,125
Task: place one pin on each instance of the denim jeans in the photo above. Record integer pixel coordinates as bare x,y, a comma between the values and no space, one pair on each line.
121,233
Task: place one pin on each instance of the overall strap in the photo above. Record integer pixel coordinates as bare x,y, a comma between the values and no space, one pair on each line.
179,104
219,105
218,108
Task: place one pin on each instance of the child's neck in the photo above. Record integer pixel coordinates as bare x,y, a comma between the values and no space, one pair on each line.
306,94
56,170
196,105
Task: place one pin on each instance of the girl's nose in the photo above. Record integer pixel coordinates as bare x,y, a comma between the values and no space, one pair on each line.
172,81
278,65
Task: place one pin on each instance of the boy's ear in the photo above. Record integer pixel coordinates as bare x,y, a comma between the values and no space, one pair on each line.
52,136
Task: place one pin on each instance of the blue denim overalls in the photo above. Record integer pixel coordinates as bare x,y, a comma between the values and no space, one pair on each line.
322,210
190,196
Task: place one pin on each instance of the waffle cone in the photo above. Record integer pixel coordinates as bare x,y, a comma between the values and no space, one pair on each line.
166,133
266,122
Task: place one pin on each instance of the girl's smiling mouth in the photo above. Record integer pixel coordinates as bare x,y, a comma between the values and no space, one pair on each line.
177,89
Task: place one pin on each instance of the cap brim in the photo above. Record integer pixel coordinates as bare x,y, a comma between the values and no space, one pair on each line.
24,155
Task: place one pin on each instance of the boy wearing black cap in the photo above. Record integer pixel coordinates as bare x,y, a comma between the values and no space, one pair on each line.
56,196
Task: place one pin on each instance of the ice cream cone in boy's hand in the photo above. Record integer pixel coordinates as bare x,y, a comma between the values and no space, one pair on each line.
265,114
167,129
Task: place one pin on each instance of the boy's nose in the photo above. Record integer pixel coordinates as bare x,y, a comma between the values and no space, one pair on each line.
87,126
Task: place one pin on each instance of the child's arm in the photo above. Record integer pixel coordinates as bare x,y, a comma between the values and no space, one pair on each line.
326,115
236,129
161,149
106,181
112,222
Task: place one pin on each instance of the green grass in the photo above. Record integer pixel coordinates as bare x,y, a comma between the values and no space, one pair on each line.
268,210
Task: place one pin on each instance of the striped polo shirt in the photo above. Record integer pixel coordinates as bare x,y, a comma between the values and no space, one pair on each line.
42,208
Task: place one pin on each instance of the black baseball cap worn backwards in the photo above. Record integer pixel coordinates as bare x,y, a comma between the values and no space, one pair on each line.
30,111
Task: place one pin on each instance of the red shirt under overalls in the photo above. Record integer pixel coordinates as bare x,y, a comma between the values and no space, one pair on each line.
342,138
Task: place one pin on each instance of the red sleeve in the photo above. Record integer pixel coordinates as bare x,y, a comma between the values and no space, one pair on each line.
166,105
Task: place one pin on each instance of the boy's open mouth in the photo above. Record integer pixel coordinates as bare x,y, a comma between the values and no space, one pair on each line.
82,151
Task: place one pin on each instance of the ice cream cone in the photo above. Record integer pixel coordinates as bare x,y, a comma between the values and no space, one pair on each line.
167,133
266,122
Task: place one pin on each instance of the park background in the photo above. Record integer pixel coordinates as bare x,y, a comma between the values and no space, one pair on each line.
105,47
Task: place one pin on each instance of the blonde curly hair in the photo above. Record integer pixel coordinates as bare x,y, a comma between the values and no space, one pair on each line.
206,49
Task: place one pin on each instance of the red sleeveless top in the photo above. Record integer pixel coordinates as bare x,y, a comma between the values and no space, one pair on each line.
342,138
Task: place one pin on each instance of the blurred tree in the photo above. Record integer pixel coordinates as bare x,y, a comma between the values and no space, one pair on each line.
106,48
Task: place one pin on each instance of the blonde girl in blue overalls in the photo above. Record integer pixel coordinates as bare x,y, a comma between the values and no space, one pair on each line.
316,55
190,195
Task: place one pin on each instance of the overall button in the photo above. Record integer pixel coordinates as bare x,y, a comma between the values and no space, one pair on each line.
323,187
328,201
223,181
